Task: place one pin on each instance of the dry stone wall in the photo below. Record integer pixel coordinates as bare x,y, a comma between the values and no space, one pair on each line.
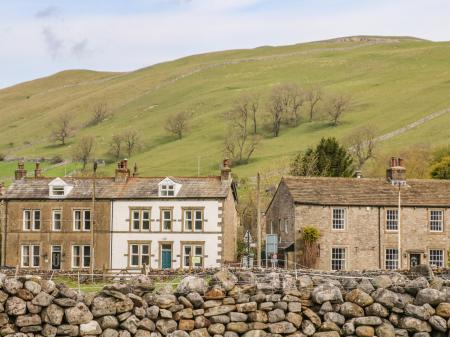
231,305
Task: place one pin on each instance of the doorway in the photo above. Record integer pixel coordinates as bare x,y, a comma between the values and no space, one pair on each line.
56,257
414,259
166,256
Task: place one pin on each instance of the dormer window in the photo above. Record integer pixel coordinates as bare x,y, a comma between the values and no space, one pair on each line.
58,188
167,190
58,191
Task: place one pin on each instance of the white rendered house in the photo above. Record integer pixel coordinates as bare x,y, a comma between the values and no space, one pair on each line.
173,222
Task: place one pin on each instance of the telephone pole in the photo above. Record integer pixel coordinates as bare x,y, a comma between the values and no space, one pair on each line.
93,222
258,219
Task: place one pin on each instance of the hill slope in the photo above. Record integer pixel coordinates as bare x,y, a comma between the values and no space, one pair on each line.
393,81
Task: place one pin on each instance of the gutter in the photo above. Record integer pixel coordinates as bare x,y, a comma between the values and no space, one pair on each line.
379,238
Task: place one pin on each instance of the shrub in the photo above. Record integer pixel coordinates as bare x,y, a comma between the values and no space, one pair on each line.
311,234
57,159
2,156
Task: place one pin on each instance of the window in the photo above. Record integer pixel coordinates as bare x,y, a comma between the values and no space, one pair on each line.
167,190
82,220
338,218
140,219
166,215
32,219
193,220
58,191
392,219
337,258
81,256
139,254
436,258
57,219
30,256
391,259
192,253
436,221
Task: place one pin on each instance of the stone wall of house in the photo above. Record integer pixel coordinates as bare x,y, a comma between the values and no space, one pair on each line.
365,237
232,305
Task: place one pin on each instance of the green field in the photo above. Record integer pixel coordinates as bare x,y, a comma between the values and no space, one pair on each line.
393,82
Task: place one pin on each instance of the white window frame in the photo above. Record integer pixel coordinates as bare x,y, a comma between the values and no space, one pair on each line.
194,219
164,219
30,255
140,219
83,220
32,220
436,221
341,260
391,258
51,256
193,247
167,190
81,256
140,255
54,212
392,220
338,223
432,254
58,191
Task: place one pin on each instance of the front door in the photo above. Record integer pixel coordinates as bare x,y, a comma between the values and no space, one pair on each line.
56,257
166,256
414,259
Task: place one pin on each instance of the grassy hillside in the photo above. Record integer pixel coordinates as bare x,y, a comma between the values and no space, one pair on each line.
393,81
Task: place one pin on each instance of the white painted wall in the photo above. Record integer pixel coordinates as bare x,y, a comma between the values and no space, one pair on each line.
121,233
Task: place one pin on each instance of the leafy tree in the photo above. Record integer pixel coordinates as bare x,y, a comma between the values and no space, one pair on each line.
441,170
327,159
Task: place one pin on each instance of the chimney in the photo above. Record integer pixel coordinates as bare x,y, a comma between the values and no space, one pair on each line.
396,173
135,170
38,171
225,170
122,172
20,172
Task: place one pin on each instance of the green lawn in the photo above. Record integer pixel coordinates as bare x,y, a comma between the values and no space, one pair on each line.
392,84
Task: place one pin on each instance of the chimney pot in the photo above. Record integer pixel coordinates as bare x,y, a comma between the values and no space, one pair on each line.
396,172
122,172
38,171
20,172
225,171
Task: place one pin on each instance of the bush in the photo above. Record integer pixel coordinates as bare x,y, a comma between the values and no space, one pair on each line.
311,234
57,159
2,156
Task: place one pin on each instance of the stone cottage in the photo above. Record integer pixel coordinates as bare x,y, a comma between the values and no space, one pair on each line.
359,220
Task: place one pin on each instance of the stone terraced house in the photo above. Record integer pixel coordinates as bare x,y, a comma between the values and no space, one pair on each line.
159,222
358,220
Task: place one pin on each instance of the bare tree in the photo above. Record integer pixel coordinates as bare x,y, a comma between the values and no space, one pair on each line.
99,113
276,110
239,143
62,129
131,140
361,144
337,106
313,97
116,146
178,123
84,150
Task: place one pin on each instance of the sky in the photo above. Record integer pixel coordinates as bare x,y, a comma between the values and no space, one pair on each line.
41,37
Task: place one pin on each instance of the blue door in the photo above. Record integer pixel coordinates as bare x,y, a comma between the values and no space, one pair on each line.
166,256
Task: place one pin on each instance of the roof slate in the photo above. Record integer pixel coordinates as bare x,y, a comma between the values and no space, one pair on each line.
367,192
107,188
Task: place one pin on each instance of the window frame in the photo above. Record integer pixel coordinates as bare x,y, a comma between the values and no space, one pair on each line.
167,190
31,255
193,246
442,255
334,219
81,256
391,263
162,219
56,211
441,221
58,194
193,211
32,219
391,221
140,255
140,211
344,259
83,220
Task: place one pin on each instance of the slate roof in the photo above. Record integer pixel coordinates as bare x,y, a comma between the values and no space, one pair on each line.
107,188
367,192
